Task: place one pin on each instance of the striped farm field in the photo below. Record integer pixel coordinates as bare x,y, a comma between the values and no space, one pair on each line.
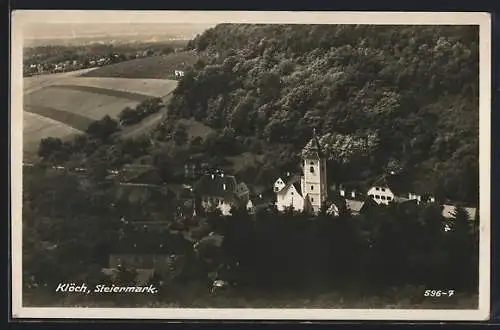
159,67
87,104
35,127
33,83
59,106
141,87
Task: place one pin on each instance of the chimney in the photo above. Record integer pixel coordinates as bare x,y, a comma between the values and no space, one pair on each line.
353,194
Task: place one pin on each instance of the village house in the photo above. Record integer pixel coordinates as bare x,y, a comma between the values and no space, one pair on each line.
179,73
220,191
308,191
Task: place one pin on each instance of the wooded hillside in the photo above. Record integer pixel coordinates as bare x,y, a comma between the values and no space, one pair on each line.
403,96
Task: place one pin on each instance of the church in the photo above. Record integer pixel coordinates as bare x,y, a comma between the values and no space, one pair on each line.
309,191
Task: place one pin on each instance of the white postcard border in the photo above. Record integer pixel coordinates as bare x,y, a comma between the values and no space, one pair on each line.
21,18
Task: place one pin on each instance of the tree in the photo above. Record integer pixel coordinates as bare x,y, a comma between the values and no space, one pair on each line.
463,259
49,146
103,129
128,116
180,135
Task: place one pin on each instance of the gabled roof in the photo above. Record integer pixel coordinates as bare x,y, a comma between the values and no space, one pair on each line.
357,205
313,148
294,180
449,211
216,185
401,184
354,205
337,200
397,183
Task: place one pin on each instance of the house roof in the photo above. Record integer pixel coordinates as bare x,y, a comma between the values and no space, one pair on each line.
354,205
402,183
449,211
295,181
216,185
313,148
337,200
397,183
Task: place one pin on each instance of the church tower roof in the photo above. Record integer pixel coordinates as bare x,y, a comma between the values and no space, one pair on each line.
313,148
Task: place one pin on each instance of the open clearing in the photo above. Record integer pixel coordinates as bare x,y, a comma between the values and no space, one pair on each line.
156,67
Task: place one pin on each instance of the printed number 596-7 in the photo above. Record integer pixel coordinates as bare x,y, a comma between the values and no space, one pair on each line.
439,293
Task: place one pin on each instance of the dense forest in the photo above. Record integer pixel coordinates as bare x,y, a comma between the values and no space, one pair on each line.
381,96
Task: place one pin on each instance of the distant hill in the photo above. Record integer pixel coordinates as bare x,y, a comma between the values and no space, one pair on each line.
83,33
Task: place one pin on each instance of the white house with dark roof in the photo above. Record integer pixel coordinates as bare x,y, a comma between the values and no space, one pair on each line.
395,188
221,191
381,191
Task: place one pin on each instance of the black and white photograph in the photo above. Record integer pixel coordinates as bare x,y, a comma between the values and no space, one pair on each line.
250,165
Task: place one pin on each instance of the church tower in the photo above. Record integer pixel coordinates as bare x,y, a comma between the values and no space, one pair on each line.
314,182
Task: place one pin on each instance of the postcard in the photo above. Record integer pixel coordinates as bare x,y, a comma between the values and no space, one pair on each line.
225,165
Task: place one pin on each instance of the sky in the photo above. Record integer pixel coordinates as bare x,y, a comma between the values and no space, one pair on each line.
59,30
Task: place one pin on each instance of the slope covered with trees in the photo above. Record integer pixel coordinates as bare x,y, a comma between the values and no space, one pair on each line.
381,95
